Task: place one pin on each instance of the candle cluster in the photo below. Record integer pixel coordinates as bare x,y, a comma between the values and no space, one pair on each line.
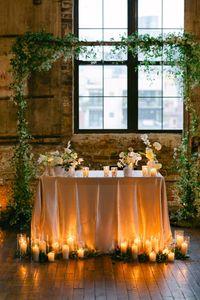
149,171
182,241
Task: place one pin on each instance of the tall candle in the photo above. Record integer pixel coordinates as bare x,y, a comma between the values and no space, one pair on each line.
134,250
106,171
148,246
179,240
65,251
138,242
80,252
155,244
35,253
184,248
123,247
23,247
171,256
114,171
152,256
51,256
70,242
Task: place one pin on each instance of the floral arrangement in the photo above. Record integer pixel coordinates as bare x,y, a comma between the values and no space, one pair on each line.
128,158
66,159
150,152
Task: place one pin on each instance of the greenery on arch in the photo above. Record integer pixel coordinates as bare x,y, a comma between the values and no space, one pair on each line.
36,52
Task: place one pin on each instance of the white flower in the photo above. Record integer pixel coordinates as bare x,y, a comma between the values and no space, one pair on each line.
121,154
157,146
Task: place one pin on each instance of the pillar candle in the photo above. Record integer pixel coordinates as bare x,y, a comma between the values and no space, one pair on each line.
153,172
145,171
184,248
152,256
70,242
123,247
106,171
114,171
171,256
55,247
35,253
179,240
148,246
51,256
134,250
65,251
23,247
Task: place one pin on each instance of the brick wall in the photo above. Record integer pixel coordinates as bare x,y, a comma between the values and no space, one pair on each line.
51,104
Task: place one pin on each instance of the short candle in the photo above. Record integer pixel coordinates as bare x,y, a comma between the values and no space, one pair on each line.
114,171
153,172
85,171
184,248
145,171
171,256
152,256
80,252
51,256
134,250
23,247
179,240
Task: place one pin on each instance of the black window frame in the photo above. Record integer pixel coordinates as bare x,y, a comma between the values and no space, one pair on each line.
132,81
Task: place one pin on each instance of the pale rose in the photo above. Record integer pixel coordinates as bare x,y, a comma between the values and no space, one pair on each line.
121,154
157,146
149,154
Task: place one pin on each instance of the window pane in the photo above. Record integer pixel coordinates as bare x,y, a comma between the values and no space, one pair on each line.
115,81
172,85
92,54
115,14
150,82
111,54
90,14
115,113
114,34
91,34
173,14
150,113
149,14
90,80
90,113
173,113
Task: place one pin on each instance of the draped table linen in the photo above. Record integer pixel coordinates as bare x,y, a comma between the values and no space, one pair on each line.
100,211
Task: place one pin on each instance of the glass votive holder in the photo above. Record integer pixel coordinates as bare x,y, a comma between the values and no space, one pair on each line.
114,171
22,244
35,252
85,171
153,172
106,171
185,245
145,171
179,237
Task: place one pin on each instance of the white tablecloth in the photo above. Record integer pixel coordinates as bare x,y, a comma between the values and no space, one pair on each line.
99,211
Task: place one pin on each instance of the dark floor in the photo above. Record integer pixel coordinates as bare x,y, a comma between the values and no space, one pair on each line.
98,278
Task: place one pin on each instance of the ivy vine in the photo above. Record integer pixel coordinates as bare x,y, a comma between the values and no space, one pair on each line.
36,52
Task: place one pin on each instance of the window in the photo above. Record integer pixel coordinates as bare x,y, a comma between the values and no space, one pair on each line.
109,95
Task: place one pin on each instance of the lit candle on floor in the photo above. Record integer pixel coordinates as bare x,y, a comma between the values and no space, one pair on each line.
134,250
184,248
42,246
51,256
155,244
35,253
65,251
80,252
179,240
148,246
153,172
152,256
23,247
55,247
70,242
85,171
138,242
123,247
171,256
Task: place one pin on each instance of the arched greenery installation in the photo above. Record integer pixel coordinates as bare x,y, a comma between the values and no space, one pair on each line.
36,52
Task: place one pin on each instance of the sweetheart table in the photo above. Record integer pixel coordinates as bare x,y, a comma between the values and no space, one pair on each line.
101,211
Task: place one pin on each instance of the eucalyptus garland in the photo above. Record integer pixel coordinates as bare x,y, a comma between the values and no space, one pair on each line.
38,51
